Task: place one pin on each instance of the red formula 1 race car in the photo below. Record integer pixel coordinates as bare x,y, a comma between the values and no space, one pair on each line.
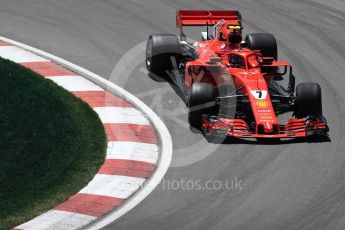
233,86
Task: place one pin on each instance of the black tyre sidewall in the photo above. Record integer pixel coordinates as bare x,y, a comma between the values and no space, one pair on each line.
201,101
264,42
163,48
308,100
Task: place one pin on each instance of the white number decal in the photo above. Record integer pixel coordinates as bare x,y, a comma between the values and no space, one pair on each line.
259,94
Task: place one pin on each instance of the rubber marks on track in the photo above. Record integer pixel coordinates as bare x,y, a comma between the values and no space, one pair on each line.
132,151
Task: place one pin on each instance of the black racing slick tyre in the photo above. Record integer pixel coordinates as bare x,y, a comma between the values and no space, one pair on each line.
201,100
264,42
163,52
308,100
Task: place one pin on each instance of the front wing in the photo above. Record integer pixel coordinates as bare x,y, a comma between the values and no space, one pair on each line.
294,128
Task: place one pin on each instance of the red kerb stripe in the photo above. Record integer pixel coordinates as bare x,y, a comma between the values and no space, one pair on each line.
102,99
48,69
4,44
127,168
131,133
87,204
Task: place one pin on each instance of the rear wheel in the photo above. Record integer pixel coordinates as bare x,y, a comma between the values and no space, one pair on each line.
163,52
308,100
202,98
264,42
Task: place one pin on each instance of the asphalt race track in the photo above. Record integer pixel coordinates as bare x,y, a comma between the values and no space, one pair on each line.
288,185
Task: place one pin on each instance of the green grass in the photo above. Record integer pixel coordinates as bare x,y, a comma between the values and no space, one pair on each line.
51,144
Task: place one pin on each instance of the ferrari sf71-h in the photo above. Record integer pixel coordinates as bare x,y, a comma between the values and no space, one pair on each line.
232,86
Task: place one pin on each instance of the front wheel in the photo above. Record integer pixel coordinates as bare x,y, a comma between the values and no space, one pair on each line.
308,100
201,100
163,52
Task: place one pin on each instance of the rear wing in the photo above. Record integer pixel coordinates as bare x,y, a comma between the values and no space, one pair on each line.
206,17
